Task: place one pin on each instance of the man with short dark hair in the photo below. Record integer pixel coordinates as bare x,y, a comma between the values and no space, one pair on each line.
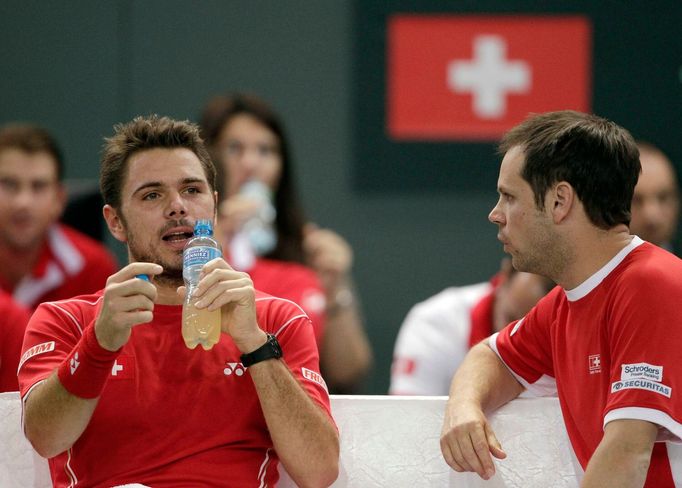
607,340
112,394
41,259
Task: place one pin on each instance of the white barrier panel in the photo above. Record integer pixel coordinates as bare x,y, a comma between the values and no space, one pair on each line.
386,441
20,465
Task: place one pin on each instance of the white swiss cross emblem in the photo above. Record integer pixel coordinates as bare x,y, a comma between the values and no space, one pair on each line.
116,368
489,77
594,363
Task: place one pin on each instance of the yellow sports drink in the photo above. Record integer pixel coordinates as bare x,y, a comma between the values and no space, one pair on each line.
199,326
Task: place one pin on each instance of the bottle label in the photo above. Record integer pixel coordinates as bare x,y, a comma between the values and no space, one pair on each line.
200,255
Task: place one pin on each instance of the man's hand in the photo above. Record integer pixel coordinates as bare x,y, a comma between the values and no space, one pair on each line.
127,302
467,440
329,255
221,287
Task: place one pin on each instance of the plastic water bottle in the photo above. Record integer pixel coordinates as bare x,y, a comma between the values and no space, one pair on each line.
199,326
260,229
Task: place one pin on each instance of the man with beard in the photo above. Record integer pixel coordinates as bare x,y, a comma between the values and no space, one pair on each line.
41,260
111,393
607,339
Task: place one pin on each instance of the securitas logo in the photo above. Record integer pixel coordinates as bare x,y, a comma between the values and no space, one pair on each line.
641,376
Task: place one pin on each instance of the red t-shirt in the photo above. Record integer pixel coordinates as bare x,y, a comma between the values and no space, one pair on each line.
12,326
294,282
611,349
168,415
70,264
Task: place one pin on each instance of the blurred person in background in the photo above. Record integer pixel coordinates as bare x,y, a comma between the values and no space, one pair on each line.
656,203
41,259
302,263
14,320
438,332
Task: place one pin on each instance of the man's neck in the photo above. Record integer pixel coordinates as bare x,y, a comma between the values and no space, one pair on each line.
591,253
16,263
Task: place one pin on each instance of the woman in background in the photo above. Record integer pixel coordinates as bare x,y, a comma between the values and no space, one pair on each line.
291,258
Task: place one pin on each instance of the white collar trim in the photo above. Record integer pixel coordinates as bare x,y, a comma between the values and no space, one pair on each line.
593,281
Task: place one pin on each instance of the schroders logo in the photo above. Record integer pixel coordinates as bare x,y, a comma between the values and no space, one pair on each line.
456,77
641,370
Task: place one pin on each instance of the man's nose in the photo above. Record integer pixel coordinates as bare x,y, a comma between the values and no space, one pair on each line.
495,216
176,206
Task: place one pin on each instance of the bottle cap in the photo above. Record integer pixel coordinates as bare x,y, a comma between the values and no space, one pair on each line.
203,227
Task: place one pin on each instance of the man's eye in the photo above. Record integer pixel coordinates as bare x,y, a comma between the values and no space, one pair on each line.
151,196
9,185
192,189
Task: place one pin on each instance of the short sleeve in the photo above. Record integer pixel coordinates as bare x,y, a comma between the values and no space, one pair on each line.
525,347
646,337
428,350
294,332
51,335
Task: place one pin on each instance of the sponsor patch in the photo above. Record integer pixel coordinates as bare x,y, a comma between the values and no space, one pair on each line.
314,377
641,371
236,369
36,350
641,384
594,363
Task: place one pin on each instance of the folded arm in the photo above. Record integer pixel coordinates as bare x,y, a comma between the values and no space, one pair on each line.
482,383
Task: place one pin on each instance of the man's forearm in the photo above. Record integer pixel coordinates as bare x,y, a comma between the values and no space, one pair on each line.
303,435
345,354
623,456
483,379
54,418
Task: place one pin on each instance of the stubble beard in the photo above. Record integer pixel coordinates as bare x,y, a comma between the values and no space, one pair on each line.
546,255
172,271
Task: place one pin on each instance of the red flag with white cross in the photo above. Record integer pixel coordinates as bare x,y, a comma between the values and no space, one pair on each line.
474,77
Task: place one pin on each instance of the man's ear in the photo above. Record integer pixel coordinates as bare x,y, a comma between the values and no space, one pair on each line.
61,201
560,201
115,223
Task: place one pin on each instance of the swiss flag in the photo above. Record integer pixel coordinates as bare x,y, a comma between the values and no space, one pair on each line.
475,77
123,368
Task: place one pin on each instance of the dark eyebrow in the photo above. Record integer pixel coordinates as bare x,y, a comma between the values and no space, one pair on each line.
157,184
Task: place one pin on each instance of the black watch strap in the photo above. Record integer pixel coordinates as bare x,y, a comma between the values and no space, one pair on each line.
269,350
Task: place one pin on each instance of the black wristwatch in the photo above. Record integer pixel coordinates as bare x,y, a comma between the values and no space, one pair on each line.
269,350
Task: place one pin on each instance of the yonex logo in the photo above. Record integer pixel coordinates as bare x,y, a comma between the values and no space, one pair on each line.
74,363
237,368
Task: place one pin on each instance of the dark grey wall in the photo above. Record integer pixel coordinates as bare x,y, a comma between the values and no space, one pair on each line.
79,67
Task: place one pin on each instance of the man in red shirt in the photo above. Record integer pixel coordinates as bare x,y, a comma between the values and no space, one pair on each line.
607,339
111,393
40,259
